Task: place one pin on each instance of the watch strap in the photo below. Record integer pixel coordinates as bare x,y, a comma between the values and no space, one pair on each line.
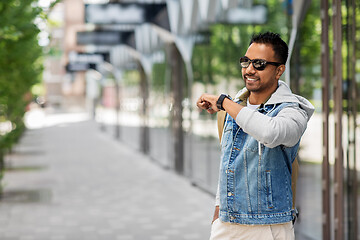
219,102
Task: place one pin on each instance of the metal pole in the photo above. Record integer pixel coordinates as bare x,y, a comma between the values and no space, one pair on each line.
338,107
144,128
325,111
177,71
347,157
189,139
117,109
353,230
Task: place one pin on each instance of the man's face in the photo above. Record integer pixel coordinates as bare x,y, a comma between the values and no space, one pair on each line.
264,81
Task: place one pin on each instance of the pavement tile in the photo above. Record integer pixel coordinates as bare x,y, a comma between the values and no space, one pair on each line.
71,181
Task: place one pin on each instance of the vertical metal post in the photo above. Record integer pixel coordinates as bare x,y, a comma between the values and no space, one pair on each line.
352,97
338,107
349,174
325,59
2,168
177,67
117,108
144,128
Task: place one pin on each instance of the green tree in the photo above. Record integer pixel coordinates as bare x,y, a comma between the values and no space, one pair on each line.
20,66
307,50
218,60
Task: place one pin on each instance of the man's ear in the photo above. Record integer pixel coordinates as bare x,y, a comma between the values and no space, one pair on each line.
279,71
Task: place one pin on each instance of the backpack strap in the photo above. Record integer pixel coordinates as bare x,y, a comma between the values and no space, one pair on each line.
220,122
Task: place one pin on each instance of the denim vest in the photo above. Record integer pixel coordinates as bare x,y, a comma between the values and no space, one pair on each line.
255,181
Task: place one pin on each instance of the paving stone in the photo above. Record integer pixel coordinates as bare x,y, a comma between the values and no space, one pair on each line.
75,182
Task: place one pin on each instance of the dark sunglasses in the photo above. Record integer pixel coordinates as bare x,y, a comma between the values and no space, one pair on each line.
258,64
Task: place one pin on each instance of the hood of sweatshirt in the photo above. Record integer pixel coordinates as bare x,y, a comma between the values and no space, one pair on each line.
284,94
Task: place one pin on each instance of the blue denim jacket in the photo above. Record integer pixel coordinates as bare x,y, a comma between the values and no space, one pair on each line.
255,181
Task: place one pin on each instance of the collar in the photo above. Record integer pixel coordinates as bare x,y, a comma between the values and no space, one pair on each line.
244,96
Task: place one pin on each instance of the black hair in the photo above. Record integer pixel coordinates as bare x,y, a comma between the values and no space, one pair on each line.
278,45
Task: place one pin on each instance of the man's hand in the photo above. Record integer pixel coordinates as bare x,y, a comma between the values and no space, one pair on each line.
208,103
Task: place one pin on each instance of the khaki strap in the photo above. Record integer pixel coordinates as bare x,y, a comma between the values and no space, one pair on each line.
220,121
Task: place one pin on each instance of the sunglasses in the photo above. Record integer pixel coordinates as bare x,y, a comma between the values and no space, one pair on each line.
258,64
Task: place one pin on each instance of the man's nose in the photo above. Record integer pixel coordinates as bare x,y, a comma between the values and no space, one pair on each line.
250,69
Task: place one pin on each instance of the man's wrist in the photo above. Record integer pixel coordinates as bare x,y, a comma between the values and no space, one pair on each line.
220,101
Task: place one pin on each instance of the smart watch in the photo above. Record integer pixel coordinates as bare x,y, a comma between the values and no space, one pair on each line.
219,102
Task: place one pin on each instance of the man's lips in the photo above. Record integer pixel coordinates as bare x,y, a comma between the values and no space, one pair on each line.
251,79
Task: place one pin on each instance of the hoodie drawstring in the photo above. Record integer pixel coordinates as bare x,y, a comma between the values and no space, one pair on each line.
260,150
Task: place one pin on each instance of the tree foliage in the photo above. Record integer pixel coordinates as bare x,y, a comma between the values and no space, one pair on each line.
20,64
218,60
308,43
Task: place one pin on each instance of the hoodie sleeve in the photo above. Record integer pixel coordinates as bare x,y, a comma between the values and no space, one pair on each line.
286,128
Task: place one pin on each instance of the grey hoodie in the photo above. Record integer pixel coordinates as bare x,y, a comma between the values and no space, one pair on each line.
284,129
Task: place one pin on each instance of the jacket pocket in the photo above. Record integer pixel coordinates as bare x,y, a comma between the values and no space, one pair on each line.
269,197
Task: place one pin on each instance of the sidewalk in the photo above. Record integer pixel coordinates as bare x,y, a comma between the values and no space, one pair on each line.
71,181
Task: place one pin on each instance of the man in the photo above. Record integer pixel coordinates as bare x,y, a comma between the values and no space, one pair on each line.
262,131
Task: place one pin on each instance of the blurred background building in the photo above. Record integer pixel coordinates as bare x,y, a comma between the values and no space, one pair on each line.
63,88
